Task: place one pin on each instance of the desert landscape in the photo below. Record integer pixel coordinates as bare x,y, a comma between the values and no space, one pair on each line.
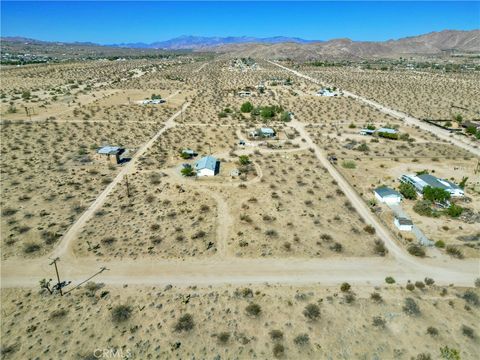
240,198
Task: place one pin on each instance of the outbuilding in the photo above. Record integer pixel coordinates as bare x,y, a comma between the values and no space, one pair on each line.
386,195
267,132
112,153
403,224
207,166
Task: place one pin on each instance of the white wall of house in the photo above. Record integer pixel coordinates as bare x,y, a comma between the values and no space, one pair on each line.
402,227
389,199
205,172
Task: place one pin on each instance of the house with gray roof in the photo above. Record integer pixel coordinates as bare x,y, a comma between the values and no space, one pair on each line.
112,153
386,195
421,181
207,166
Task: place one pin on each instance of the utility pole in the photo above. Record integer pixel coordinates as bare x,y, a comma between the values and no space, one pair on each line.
54,262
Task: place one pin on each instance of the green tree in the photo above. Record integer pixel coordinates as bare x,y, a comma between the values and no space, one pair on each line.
408,191
285,116
187,171
155,97
454,210
244,160
435,194
26,95
246,107
267,112
463,182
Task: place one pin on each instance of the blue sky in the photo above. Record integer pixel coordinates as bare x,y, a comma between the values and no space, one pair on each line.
114,22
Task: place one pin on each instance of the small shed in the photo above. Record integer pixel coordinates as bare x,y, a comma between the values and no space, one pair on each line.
403,224
386,195
207,166
112,153
366,132
387,131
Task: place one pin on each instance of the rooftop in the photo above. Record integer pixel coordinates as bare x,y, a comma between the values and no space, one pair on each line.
207,162
110,150
384,191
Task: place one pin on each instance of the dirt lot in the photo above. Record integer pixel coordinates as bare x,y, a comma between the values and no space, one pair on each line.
82,322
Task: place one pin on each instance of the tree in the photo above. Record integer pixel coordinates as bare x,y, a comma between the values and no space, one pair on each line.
187,171
246,107
345,287
463,182
408,191
267,112
285,116
454,210
26,95
44,284
156,97
435,194
243,160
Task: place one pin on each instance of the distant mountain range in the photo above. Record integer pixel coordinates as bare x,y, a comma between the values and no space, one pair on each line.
291,47
201,42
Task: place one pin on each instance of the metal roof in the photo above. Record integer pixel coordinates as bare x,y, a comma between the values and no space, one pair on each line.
435,182
387,130
267,130
109,150
404,221
384,191
207,162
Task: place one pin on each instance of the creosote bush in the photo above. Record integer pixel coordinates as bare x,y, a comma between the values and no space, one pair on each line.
301,339
253,310
121,313
184,323
312,312
411,308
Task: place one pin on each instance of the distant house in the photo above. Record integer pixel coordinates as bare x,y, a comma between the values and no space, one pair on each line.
403,224
419,182
386,195
244,93
188,153
367,132
112,153
263,132
387,131
326,92
207,166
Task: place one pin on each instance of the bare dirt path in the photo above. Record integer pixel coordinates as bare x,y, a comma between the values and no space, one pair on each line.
440,133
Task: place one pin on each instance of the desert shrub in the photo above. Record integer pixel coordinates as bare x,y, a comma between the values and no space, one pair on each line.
369,229
454,211
337,247
429,281
424,356
477,282
30,248
278,350
411,307
432,331
471,297
92,287
435,194
8,211
378,321
380,248
301,340
349,164
109,240
390,280
424,208
312,312
416,250
376,297
253,310
345,287
276,335
468,332
440,244
447,353
349,298
58,314
410,287
184,323
454,252
8,350
223,337
121,313
419,285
